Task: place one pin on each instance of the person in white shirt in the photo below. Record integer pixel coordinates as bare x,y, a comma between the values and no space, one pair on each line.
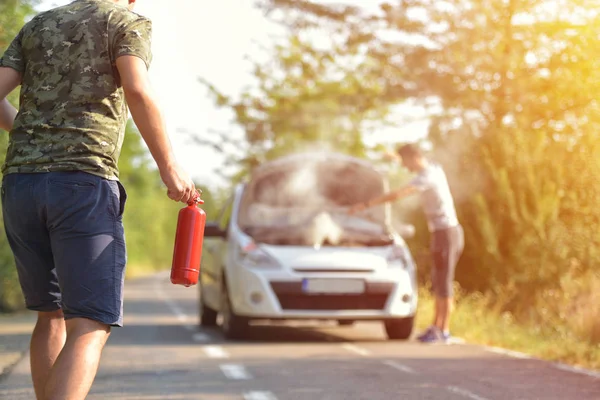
447,237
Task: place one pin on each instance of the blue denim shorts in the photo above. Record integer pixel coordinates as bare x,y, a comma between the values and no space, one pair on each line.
66,233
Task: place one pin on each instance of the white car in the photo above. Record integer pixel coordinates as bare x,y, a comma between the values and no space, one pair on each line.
284,248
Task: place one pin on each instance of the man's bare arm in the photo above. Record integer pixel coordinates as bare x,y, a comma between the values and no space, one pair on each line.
389,197
9,80
149,120
393,196
144,108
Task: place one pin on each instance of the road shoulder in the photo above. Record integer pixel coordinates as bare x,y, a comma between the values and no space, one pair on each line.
15,334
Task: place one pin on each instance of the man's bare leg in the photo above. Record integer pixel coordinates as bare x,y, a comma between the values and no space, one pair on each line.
47,341
443,306
448,304
439,312
75,369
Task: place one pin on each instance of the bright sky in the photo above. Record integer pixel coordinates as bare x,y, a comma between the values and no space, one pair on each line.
208,38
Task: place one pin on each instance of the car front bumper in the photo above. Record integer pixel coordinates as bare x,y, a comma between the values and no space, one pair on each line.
279,294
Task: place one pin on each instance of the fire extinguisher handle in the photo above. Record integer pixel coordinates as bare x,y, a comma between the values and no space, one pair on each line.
197,198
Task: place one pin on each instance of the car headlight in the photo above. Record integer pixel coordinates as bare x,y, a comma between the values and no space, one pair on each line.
399,256
253,256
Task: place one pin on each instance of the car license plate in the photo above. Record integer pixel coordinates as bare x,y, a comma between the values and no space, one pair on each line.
333,286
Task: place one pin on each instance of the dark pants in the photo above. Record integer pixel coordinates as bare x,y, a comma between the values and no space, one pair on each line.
65,230
446,248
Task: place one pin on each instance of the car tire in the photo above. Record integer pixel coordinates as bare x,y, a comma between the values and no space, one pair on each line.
345,322
208,316
232,325
400,328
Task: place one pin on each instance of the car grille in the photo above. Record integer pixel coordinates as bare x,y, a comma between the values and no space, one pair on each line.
291,297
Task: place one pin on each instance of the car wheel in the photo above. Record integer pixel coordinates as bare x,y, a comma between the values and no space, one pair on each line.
232,325
400,328
208,316
345,322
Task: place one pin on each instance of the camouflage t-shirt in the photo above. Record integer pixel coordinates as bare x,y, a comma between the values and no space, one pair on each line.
73,113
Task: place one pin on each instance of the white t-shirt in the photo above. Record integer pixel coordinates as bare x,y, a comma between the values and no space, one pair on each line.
436,198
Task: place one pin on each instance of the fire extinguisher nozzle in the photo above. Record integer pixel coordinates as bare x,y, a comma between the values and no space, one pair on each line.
196,199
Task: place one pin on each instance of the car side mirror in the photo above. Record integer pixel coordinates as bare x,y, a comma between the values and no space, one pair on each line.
212,229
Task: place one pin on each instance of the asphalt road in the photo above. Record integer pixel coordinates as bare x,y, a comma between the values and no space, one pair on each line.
160,354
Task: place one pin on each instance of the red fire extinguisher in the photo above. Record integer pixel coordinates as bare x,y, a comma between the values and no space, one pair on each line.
188,244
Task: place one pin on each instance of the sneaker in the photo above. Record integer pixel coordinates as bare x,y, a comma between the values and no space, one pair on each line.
426,333
432,336
448,339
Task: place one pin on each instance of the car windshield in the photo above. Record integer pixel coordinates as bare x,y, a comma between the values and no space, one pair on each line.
306,204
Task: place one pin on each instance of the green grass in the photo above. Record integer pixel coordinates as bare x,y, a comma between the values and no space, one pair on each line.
476,321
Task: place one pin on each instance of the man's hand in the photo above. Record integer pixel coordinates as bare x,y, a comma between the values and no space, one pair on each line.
180,186
390,155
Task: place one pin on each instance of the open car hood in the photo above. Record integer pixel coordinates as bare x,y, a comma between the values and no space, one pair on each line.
329,257
303,200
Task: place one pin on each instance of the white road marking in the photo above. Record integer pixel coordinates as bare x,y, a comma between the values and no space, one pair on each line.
176,309
256,395
235,371
400,367
190,327
172,305
561,366
355,349
201,337
577,370
510,353
215,352
465,393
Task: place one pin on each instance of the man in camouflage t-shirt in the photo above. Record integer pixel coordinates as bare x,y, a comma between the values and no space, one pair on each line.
79,66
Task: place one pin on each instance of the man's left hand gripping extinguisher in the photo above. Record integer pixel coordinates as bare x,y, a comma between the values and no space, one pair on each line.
188,244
